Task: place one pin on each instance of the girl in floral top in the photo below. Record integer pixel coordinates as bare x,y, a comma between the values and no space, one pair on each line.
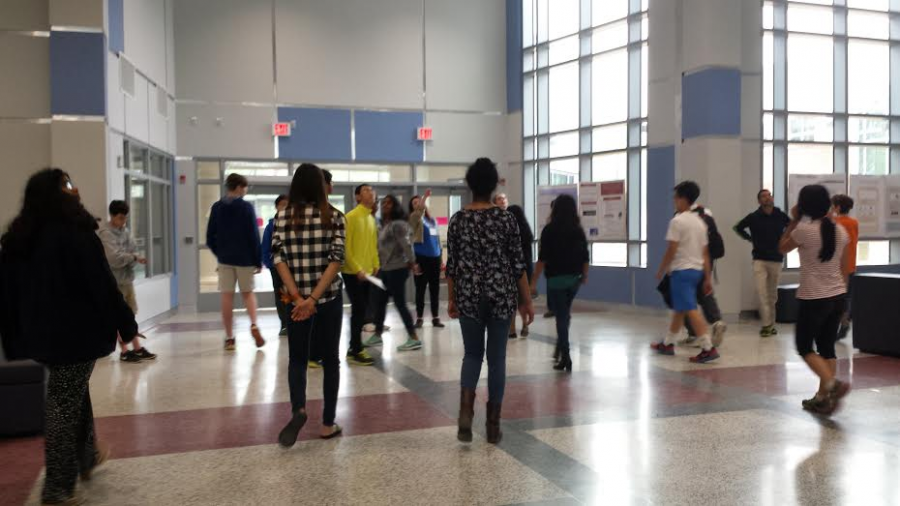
487,282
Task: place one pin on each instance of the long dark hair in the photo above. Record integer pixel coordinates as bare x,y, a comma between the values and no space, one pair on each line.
397,212
45,202
524,228
564,214
308,189
815,203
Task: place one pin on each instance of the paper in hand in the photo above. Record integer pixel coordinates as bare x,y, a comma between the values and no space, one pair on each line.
375,281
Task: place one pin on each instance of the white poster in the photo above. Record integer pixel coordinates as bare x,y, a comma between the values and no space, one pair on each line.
891,205
613,211
589,209
546,196
867,193
835,183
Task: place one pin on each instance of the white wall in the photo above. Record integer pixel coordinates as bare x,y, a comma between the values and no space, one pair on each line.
153,297
146,36
79,147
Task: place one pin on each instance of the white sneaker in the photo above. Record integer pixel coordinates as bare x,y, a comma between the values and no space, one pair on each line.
718,333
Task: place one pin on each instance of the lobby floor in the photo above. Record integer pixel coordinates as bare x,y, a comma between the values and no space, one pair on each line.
199,426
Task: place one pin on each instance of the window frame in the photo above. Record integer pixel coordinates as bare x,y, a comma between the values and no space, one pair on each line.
775,120
152,198
537,156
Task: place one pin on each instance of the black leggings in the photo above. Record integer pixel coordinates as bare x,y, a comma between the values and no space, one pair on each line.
324,328
358,293
817,322
430,277
395,282
69,438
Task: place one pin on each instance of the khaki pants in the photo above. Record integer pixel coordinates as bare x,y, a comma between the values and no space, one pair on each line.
767,275
127,290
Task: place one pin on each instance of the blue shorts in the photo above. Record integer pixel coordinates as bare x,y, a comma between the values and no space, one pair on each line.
683,287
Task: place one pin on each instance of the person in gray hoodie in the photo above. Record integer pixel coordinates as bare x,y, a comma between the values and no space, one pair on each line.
397,260
122,255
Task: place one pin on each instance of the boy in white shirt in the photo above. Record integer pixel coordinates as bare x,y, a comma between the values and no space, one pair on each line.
688,265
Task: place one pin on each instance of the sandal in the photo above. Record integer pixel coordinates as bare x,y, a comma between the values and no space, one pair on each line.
336,431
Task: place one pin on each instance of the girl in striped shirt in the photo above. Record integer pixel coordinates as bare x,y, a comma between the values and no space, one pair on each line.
822,246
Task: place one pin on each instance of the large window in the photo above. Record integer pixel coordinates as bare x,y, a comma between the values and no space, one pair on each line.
827,96
585,106
148,191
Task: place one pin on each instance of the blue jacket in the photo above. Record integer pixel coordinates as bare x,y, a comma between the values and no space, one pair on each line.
266,245
232,234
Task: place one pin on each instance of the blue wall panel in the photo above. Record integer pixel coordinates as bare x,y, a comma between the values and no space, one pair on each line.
514,37
77,73
319,134
116,16
660,181
607,284
388,136
712,103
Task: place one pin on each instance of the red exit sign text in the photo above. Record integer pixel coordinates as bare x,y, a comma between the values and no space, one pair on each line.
424,134
281,129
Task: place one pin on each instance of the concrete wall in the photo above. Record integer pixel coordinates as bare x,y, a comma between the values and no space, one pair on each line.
238,62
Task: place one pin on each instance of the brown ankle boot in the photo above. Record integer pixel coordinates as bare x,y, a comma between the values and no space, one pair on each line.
494,435
466,413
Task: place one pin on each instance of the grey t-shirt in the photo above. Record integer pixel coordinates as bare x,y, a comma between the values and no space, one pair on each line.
394,247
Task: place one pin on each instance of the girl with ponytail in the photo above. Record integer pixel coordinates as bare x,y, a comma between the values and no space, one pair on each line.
824,267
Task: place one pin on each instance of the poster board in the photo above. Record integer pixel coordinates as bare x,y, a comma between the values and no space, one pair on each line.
603,208
546,195
835,183
891,203
867,193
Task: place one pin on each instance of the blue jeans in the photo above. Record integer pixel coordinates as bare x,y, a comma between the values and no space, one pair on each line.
323,330
473,331
561,300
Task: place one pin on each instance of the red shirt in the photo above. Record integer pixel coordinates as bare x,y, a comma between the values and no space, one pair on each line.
851,225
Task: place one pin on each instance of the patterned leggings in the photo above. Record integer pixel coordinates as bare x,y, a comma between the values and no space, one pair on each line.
69,439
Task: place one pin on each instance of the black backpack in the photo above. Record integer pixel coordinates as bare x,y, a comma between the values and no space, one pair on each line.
716,244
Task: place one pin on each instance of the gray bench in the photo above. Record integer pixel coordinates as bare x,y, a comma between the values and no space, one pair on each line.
21,398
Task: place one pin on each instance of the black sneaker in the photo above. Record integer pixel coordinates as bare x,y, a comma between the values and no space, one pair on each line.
843,331
130,357
436,323
419,323
549,314
144,354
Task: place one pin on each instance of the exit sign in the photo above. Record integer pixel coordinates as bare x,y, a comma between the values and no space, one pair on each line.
281,129
424,134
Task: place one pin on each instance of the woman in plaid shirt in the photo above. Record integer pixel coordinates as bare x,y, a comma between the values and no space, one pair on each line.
308,251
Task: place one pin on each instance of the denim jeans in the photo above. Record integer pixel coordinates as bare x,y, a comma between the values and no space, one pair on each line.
395,282
561,300
324,328
473,331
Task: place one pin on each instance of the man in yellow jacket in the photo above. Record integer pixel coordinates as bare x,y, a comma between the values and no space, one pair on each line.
360,260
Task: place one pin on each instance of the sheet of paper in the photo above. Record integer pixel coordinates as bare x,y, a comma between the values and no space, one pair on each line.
375,281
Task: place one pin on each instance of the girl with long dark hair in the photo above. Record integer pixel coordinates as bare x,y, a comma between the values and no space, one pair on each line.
51,255
395,252
824,268
486,281
308,251
427,246
527,238
563,254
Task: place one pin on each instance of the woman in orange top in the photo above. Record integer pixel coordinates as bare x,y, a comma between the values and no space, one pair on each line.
841,206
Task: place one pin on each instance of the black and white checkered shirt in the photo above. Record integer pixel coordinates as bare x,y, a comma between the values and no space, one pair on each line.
308,248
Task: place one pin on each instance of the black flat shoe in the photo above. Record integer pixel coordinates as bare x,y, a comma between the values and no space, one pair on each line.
289,433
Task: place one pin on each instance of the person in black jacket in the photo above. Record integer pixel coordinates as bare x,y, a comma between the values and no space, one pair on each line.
766,225
51,257
527,237
564,253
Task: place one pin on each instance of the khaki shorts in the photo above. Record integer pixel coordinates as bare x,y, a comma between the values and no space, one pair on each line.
130,299
230,274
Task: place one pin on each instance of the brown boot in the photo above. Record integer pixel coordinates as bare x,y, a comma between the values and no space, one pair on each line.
494,435
466,413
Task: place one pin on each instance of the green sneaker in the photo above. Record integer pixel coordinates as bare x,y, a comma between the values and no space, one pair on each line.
362,358
410,345
373,341
765,332
773,330
313,364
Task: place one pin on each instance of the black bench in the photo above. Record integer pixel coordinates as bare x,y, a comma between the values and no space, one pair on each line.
876,319
786,307
21,398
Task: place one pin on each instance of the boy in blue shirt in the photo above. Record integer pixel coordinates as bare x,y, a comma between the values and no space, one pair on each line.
281,204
